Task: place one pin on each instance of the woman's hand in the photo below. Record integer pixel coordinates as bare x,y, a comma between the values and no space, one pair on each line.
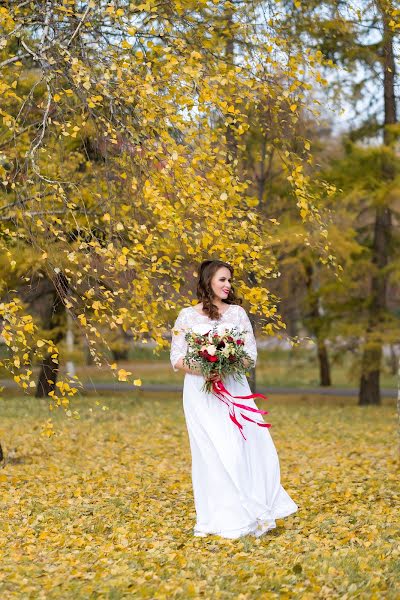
213,377
191,371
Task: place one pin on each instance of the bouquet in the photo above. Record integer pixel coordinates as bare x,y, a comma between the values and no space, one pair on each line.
223,354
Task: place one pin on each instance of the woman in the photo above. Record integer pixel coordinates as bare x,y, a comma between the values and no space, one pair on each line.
236,482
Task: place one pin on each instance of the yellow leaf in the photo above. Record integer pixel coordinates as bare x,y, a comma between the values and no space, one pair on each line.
122,374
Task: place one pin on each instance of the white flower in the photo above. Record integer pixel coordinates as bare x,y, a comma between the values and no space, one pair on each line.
211,349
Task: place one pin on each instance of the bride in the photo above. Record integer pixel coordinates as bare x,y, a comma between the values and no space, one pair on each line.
236,482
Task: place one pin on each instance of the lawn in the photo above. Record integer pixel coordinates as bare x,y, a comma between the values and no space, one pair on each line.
297,368
104,508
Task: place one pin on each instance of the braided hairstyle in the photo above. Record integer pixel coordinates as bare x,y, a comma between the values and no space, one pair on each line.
204,291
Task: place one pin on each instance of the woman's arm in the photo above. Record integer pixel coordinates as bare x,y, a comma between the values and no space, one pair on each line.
192,371
246,363
179,345
250,344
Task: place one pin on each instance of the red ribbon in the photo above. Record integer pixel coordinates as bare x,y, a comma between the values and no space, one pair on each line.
220,391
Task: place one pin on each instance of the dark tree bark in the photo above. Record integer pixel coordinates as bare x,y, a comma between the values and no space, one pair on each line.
393,360
46,299
324,365
369,392
119,355
315,319
121,352
1,454
49,367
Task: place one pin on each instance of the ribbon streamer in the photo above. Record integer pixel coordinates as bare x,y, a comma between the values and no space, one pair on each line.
220,391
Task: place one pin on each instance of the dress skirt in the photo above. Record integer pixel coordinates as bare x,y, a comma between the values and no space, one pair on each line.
236,482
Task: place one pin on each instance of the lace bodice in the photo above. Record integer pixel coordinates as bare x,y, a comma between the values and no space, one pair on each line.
190,318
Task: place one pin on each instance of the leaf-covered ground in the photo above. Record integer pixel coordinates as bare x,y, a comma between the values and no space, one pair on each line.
105,508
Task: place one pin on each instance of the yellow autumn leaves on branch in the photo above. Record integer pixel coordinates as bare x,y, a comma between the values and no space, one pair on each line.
119,128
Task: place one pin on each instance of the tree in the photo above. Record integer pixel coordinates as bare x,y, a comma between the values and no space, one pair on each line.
115,128
298,251
362,36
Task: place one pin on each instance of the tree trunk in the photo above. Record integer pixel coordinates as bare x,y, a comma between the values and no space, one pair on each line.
49,367
393,361
370,374
369,392
47,377
119,355
324,366
325,379
1,454
88,356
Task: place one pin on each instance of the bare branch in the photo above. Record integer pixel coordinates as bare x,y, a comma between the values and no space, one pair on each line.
44,124
31,52
79,25
12,60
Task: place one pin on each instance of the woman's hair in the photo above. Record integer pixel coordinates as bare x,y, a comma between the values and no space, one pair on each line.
204,292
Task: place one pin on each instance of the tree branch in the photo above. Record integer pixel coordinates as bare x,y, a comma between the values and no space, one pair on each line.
79,25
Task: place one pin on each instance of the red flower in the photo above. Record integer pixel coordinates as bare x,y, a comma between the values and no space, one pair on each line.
207,356
240,342
231,358
229,338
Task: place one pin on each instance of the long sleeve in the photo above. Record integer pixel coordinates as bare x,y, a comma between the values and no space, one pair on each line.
250,344
178,342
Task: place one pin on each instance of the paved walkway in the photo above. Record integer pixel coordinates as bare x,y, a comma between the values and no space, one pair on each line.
125,387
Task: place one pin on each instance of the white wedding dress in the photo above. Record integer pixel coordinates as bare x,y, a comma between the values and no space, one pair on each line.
236,482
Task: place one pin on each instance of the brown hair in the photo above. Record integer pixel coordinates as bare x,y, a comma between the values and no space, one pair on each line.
204,292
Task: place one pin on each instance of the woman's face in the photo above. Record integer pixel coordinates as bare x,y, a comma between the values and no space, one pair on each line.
221,283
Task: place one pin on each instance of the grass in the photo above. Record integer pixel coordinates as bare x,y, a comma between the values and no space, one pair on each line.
294,369
104,508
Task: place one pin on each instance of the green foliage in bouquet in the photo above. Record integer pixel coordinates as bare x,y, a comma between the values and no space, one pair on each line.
216,353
